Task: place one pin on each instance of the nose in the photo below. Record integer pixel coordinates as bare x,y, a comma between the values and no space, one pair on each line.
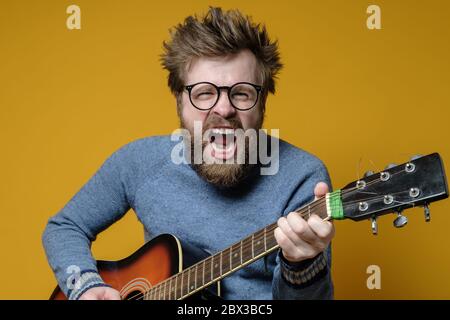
223,106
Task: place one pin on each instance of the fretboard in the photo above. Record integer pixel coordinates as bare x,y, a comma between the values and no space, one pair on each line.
225,262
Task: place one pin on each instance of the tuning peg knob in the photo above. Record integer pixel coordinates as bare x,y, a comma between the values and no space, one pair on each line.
427,212
368,173
390,165
416,156
400,221
374,225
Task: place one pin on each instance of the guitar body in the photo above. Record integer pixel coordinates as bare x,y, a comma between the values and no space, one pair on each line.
154,262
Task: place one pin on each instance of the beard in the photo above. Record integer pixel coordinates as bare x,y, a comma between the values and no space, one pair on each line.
227,174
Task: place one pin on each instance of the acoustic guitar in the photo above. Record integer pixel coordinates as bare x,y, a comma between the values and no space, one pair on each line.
155,271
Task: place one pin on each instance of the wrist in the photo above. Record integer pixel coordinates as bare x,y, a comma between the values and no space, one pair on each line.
305,271
86,280
297,265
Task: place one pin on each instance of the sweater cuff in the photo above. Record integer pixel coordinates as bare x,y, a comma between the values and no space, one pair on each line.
88,279
303,272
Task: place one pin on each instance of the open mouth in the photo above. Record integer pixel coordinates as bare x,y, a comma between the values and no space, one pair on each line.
223,142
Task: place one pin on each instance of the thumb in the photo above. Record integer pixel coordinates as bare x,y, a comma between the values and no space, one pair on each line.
320,190
111,294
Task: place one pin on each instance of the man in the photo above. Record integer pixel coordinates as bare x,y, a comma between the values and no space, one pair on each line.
221,69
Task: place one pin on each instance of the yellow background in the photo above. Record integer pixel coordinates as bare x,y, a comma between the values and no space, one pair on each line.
69,98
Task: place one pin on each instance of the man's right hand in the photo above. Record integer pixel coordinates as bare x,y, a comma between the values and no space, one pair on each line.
101,293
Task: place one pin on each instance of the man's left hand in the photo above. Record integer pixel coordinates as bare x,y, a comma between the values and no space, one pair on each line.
300,239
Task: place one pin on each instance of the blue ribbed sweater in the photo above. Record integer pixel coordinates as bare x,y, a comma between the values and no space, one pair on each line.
171,198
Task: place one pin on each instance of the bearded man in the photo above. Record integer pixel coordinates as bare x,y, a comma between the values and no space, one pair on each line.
221,68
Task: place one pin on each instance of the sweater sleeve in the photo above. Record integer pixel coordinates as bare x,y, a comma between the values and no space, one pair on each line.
309,279
68,235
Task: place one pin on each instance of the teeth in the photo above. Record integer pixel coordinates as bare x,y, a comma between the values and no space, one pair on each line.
221,148
222,131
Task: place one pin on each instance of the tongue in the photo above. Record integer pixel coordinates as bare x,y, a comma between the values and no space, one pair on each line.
221,139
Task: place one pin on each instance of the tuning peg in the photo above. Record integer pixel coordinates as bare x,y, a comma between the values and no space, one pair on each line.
416,156
427,212
390,165
400,221
368,173
374,225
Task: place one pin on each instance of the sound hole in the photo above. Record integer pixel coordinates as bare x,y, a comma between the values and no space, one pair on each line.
134,295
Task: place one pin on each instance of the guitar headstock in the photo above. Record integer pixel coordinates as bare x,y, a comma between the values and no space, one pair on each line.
414,183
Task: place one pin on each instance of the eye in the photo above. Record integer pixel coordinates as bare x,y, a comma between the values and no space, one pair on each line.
204,94
240,95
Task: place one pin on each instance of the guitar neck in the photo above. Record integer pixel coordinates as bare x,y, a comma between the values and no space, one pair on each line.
216,267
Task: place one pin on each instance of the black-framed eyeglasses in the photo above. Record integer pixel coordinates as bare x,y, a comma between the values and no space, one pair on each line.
242,95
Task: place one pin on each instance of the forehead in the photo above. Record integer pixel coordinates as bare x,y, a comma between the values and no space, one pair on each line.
224,70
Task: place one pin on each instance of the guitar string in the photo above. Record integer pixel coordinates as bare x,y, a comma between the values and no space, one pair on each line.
319,203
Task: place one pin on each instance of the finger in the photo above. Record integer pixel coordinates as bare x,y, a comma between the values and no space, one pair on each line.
89,296
284,242
320,190
296,228
324,230
112,295
292,252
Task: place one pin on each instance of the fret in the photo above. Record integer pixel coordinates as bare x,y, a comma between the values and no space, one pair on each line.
216,267
203,277
165,292
189,281
177,288
199,276
258,243
241,251
196,277
212,271
174,287
247,249
192,285
271,241
182,280
221,273
226,261
236,258
231,256
265,240
253,248
208,270
167,289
